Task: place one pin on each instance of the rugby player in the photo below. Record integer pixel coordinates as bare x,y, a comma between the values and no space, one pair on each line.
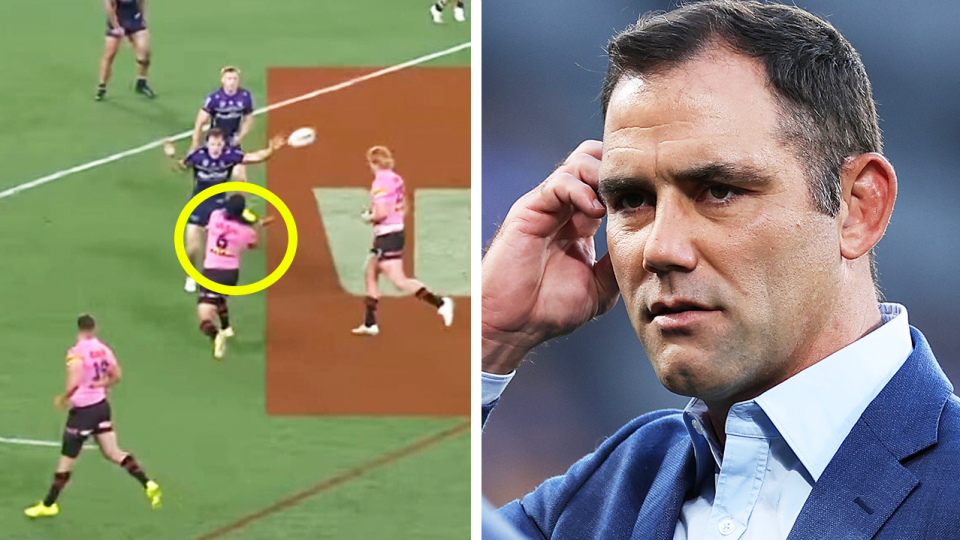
387,214
91,370
229,234
229,108
212,164
436,10
126,19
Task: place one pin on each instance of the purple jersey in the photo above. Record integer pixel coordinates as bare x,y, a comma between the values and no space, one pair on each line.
209,171
228,111
127,9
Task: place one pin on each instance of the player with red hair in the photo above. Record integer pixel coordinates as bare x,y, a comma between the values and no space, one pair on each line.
387,216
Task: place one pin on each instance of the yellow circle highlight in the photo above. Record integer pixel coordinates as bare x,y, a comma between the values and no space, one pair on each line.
236,290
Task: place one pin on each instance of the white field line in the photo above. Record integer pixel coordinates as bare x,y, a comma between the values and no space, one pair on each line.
34,442
183,135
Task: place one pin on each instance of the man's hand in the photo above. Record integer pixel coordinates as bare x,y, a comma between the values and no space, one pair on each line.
278,142
117,31
540,278
61,402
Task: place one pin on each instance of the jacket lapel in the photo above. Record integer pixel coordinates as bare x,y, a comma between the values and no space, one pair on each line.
657,519
865,482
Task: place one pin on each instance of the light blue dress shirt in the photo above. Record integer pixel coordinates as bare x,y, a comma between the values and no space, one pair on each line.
778,444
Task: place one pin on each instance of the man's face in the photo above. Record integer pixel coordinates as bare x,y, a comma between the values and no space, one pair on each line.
215,146
727,270
230,81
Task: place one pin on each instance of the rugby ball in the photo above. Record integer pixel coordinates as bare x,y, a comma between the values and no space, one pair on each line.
302,137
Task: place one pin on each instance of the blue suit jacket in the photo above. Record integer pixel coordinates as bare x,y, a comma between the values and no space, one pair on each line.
896,476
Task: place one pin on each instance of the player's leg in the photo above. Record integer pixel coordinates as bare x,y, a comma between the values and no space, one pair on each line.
75,434
223,312
393,269
213,304
207,314
194,246
49,507
458,12
436,10
140,40
110,448
111,45
371,300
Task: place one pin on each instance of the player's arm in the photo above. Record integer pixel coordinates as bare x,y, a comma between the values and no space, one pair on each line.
245,126
110,6
74,374
380,206
143,9
203,117
110,378
276,143
258,226
378,212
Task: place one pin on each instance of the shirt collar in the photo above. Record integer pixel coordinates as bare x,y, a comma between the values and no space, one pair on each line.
815,409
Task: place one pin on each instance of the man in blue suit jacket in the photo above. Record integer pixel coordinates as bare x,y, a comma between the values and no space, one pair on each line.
744,189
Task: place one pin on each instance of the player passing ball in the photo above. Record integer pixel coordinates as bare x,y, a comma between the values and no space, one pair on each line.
230,232
212,164
386,214
92,369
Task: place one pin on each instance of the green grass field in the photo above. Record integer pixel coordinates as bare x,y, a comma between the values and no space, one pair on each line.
100,241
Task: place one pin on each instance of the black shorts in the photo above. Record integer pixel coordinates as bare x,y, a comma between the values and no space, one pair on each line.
388,246
221,276
82,422
201,214
130,25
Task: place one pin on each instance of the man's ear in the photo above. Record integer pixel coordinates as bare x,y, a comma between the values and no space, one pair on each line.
869,190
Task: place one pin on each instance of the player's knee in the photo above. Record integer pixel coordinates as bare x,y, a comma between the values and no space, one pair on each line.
144,59
206,311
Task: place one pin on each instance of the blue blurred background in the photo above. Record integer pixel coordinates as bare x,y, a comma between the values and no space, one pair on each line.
543,63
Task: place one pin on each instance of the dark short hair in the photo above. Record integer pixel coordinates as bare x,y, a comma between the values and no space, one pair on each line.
85,322
215,133
817,78
235,206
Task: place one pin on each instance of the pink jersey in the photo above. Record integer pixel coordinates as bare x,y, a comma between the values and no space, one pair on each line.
96,360
388,190
226,241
